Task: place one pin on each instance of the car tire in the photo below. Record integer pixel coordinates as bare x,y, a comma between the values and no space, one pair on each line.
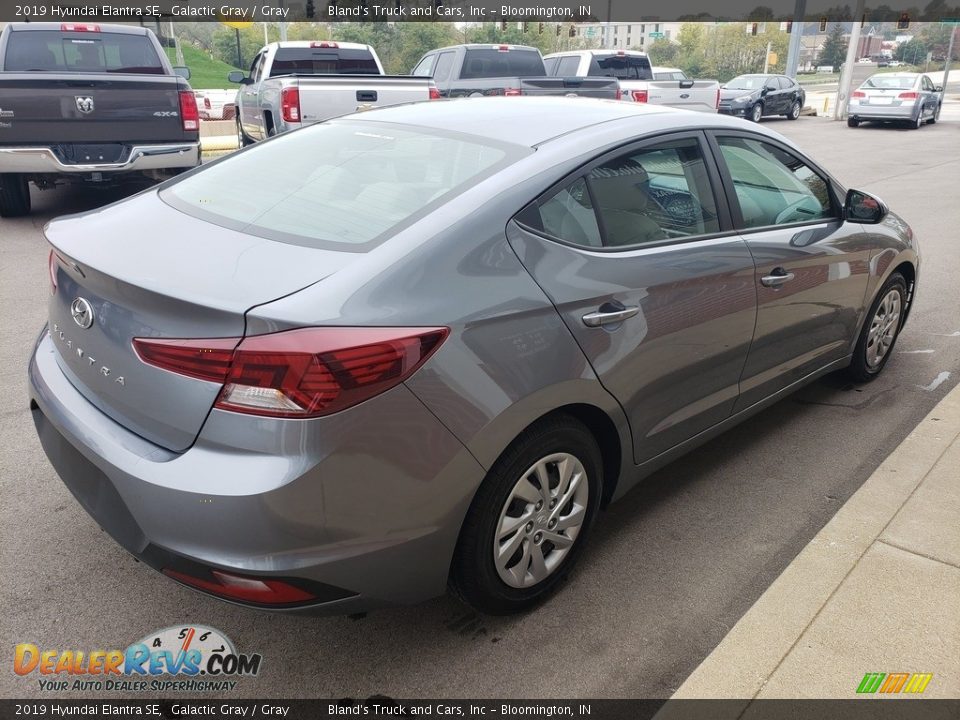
936,116
14,195
794,110
853,122
918,123
562,450
880,330
242,139
756,112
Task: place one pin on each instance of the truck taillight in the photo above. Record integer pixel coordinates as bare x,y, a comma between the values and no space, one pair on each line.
503,48
206,103
639,95
619,95
716,102
301,373
290,104
189,115
435,94
511,92
79,27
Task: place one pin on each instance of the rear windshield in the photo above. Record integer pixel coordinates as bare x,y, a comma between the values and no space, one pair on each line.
323,61
623,67
341,185
492,63
90,52
891,83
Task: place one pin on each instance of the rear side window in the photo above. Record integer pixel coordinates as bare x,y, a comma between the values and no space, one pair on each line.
623,67
323,61
568,66
89,52
772,186
424,68
342,185
550,64
491,63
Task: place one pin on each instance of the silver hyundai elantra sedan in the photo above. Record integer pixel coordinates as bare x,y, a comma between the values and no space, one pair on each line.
423,346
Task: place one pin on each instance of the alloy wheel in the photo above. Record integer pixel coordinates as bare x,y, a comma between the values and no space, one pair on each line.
883,328
757,113
540,520
795,109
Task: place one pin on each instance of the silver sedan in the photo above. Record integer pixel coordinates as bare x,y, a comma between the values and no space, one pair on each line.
910,98
425,345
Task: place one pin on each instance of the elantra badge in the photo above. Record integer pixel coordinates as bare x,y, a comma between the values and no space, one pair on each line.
81,312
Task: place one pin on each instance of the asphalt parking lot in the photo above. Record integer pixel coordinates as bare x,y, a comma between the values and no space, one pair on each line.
670,569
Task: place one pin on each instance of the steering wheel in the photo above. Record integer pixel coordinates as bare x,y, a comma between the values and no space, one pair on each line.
795,207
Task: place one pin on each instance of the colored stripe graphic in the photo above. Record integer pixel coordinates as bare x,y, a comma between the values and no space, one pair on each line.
918,682
870,682
914,683
894,682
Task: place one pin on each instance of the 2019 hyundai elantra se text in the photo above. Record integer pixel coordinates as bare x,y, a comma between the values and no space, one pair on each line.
423,346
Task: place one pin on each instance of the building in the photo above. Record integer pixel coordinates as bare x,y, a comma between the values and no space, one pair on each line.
629,35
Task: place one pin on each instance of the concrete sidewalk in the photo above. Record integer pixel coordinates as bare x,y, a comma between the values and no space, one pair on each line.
877,590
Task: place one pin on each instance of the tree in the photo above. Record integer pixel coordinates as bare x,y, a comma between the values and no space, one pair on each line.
760,13
913,52
663,52
834,50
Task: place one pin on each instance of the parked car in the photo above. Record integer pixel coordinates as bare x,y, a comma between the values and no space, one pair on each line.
213,103
909,98
511,70
89,103
636,75
757,96
344,367
297,83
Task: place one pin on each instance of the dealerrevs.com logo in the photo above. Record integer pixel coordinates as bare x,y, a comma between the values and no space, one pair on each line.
184,658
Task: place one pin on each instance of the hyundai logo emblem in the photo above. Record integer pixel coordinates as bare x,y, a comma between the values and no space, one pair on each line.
81,312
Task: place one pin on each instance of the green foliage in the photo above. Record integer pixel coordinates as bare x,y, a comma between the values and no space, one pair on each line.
205,72
834,50
937,39
913,52
663,52
400,45
723,51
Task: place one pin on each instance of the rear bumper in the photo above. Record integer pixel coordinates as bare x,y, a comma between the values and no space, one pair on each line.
141,157
883,112
361,519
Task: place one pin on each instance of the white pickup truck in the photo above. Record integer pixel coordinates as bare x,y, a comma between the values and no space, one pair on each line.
637,82
297,83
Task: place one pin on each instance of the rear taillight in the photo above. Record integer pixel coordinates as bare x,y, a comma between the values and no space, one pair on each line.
858,94
52,267
324,44
511,92
290,104
716,102
619,95
189,115
298,373
79,27
206,103
263,591
907,96
503,48
639,95
435,94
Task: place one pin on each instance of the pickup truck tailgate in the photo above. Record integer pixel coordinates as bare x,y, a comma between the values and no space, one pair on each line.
49,108
598,87
326,96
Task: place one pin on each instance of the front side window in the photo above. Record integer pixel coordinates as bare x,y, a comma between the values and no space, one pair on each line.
341,185
645,196
772,186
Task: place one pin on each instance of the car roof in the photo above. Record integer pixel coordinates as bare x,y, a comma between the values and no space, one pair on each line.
284,44
532,121
33,26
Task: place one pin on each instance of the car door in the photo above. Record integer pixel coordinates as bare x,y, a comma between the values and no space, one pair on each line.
250,115
812,266
928,95
788,91
773,98
637,253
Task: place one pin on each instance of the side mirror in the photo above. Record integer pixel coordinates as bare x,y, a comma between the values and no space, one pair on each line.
182,70
864,208
237,76
938,88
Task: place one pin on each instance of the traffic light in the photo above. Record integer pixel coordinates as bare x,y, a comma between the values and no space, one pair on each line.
904,22
559,28
753,28
789,27
503,26
525,25
540,29
573,31
823,24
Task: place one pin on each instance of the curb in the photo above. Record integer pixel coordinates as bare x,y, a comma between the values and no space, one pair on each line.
741,665
219,143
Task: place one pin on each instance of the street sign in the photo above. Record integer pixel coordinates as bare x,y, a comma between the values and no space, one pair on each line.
590,32
655,35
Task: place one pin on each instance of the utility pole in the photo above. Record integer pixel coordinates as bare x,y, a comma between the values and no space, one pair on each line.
946,65
266,40
766,59
607,36
176,45
846,77
796,34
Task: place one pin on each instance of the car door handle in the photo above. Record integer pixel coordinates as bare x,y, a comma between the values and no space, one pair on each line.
776,278
609,317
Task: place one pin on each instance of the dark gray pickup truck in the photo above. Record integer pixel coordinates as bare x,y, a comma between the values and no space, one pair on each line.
477,70
89,103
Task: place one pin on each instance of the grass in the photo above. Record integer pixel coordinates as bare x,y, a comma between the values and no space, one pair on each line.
205,72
